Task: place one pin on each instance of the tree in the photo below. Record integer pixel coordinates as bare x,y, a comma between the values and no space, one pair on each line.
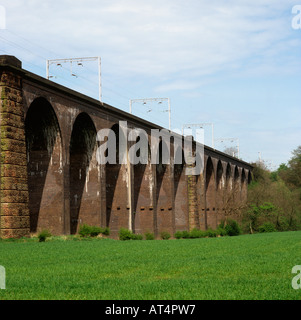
294,168
231,151
275,197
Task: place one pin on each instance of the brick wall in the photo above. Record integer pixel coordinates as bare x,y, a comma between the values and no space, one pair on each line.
14,212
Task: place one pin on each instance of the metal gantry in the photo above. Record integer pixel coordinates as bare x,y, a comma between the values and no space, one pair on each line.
200,125
231,140
159,100
79,61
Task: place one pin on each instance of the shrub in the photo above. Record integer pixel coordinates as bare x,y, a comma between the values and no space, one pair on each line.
267,227
84,230
95,231
185,235
193,234
92,231
43,235
178,234
232,228
125,234
222,225
106,231
196,233
282,224
165,235
137,236
149,236
221,232
211,233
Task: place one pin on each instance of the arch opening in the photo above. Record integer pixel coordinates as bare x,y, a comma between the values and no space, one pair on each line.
164,217
84,172
117,207
44,157
210,183
180,192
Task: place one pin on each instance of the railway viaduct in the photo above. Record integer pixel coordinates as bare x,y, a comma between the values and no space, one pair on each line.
51,179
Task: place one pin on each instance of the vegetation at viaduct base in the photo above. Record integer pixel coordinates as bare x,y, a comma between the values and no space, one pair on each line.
274,198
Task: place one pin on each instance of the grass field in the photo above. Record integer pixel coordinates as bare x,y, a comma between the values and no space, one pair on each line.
255,267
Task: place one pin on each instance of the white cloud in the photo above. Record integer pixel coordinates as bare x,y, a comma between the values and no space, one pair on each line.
182,48
155,38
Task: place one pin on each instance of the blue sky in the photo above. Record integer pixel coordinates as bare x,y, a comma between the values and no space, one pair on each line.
233,63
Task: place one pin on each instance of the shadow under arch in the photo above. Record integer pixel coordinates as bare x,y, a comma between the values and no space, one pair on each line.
219,175
180,192
44,156
249,177
236,179
161,170
210,194
220,187
142,219
82,147
164,217
116,190
228,177
243,178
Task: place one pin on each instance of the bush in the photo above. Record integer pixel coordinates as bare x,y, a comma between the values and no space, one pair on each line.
165,235
211,233
149,236
43,235
137,236
221,232
95,231
125,234
84,230
178,235
92,231
185,235
282,224
267,227
232,228
196,233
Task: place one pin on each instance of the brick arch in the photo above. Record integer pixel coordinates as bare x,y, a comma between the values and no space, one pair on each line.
220,187
45,168
236,185
219,175
244,185
249,176
143,213
84,173
228,177
210,187
164,201
181,206
117,182
236,175
243,177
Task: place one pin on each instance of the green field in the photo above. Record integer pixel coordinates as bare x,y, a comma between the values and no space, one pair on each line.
255,267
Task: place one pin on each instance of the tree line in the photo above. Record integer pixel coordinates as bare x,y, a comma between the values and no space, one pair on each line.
274,198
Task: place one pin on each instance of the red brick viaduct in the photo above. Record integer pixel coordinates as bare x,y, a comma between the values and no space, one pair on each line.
50,178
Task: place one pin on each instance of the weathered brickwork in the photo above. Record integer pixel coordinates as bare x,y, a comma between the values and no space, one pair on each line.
50,177
14,212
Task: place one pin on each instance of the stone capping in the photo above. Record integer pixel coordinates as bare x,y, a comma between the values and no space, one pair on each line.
10,61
